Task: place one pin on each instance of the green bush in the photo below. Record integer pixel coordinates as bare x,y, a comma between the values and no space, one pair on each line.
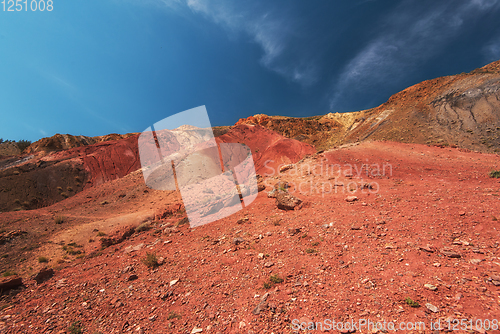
76,328
23,144
151,261
495,174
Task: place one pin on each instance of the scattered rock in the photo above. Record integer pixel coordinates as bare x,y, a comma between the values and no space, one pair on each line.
268,264
495,280
117,237
286,201
173,282
432,308
351,198
450,253
8,236
132,277
430,287
261,187
286,167
12,282
196,330
242,220
135,248
43,275
262,304
427,248
293,231
238,240
475,261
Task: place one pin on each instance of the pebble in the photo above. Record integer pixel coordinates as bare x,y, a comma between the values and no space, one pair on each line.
173,282
351,199
430,287
432,308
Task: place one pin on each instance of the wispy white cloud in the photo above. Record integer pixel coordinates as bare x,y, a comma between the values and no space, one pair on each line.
491,50
406,42
271,28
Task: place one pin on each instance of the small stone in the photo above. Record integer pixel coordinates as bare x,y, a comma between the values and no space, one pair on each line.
160,260
242,220
293,231
475,261
286,201
461,213
238,240
437,264
427,248
262,304
132,277
43,275
450,253
8,283
173,282
196,330
432,308
261,187
268,264
153,317
285,168
351,199
430,287
260,256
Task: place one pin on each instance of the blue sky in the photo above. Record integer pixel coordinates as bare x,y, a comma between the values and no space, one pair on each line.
95,67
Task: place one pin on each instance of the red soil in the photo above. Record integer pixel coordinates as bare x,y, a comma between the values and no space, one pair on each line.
339,260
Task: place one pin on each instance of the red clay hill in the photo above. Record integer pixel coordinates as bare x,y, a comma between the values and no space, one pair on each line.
398,225
459,111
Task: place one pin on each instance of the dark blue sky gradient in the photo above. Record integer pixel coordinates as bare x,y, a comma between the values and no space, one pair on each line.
115,66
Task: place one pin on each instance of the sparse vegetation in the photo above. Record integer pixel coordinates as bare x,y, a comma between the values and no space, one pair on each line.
183,221
151,261
70,248
276,279
101,234
9,273
173,315
314,244
310,251
143,227
76,328
411,302
65,195
42,259
23,144
273,279
495,174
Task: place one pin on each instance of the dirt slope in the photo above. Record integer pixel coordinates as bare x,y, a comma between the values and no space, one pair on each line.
430,217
